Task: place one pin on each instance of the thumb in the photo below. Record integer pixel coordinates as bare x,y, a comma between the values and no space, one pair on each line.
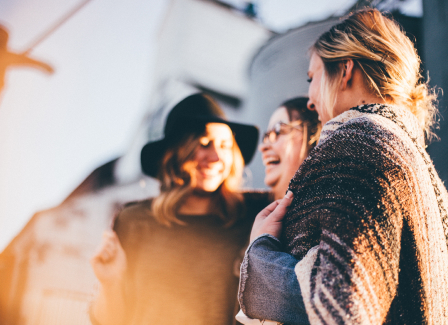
281,209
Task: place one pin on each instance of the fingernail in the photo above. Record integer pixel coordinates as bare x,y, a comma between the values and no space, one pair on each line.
288,194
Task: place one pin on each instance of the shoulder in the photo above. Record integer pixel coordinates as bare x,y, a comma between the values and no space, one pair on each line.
383,124
133,213
134,225
364,146
350,123
137,205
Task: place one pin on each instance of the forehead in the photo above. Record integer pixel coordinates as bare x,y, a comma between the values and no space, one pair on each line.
316,63
279,115
218,130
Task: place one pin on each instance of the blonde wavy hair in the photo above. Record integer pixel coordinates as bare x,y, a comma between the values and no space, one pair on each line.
386,56
176,184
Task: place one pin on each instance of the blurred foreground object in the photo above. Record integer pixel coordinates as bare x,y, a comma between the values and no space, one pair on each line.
45,276
11,59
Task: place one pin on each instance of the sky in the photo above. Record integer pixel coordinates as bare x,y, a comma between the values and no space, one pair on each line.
281,15
55,129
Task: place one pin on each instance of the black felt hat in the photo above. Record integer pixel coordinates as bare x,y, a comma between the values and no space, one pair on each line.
190,116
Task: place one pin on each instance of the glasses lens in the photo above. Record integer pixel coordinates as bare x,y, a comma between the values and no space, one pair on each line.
265,137
271,136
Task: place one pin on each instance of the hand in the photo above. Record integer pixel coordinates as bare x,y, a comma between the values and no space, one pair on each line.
269,220
109,262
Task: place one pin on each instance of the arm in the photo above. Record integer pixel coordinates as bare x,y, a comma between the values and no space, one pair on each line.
268,287
109,264
344,229
354,193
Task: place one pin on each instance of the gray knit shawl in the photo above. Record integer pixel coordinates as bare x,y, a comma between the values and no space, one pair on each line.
369,223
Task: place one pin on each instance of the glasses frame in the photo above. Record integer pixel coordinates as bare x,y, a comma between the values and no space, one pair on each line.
280,128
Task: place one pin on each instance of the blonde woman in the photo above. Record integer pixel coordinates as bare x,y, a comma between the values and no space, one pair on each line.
365,236
172,259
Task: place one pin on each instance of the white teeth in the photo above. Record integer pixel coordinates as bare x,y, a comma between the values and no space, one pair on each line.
209,172
269,160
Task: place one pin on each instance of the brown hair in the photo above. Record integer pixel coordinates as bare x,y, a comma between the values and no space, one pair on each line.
297,110
385,55
176,184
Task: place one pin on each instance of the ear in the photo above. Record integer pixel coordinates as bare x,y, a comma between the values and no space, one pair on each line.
347,75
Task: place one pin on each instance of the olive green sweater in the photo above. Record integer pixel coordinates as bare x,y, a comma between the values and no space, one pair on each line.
183,274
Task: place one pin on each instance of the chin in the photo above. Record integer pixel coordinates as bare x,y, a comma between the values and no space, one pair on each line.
271,180
202,192
209,188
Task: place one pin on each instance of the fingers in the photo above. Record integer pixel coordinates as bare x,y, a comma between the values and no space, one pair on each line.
282,207
268,210
108,247
110,236
278,207
269,220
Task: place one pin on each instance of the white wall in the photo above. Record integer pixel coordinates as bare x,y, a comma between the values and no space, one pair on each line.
54,130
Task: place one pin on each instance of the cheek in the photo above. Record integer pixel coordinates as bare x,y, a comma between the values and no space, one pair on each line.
311,88
293,155
228,161
314,91
198,155
280,147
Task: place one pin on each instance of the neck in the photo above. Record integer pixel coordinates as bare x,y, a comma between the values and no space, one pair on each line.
359,99
356,93
370,99
197,203
279,190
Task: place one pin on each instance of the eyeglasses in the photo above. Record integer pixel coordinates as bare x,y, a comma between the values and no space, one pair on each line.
271,136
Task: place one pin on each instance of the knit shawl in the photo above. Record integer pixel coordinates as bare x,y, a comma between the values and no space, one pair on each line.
369,223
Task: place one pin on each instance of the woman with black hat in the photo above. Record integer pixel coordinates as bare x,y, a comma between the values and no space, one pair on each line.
174,259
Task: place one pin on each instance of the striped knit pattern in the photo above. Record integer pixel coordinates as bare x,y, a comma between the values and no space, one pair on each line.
369,223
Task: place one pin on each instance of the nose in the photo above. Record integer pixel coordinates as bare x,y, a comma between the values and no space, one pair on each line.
213,154
310,105
262,147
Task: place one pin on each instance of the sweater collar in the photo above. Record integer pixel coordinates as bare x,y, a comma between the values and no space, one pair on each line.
399,115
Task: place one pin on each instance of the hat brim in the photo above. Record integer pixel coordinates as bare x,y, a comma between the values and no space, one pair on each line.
246,136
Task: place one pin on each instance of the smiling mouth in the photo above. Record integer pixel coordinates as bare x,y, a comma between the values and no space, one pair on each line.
270,161
209,173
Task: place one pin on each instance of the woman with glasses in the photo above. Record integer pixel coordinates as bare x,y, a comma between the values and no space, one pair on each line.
293,131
